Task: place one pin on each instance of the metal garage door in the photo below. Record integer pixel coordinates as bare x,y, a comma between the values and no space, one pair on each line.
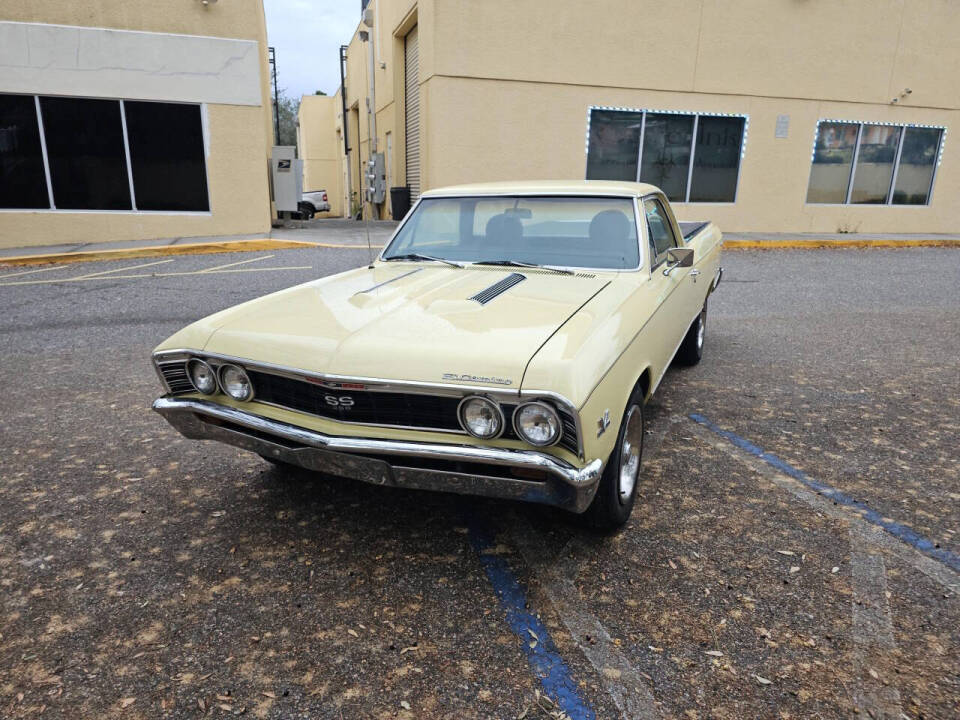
412,105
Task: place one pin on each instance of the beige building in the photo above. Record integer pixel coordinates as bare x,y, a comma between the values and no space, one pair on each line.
321,149
129,119
764,115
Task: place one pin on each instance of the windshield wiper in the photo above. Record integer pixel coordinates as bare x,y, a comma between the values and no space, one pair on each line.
517,263
421,256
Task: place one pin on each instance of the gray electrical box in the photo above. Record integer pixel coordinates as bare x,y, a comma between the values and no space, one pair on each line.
376,179
286,175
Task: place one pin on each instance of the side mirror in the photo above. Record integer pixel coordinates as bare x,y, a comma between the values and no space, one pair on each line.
680,257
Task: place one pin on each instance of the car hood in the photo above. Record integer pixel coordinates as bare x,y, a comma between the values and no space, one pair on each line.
407,322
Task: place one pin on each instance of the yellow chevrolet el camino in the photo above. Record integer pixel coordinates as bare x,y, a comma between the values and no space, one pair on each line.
503,344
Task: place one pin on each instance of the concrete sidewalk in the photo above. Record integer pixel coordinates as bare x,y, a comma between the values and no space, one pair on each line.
351,233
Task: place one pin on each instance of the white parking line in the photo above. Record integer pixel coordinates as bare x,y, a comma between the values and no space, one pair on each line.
875,696
116,270
623,682
234,264
30,272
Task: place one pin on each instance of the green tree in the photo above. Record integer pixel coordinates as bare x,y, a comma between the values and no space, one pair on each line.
288,107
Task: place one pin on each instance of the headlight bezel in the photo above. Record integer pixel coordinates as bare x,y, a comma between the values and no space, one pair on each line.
552,411
226,367
213,373
498,411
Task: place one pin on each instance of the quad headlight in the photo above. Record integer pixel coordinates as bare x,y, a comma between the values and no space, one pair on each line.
202,376
235,382
537,423
481,417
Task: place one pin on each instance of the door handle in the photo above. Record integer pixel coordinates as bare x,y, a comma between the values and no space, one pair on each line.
694,272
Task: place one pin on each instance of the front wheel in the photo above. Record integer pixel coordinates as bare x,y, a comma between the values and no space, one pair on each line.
691,349
617,491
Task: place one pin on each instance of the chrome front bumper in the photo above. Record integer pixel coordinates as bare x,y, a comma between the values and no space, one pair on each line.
424,466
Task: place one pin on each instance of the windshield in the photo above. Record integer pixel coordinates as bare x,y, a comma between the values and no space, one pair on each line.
588,232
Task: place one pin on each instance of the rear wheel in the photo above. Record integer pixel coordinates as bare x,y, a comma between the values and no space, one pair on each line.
306,211
617,491
691,349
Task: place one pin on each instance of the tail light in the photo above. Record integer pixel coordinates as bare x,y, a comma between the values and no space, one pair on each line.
324,197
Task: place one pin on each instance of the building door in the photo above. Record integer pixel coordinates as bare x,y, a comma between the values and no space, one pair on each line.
412,111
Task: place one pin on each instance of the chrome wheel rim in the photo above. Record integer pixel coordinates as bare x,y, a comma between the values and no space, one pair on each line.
630,453
701,328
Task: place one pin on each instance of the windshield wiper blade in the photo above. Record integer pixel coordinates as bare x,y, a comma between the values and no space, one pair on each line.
421,256
518,263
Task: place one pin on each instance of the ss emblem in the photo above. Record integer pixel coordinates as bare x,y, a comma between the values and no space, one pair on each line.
344,401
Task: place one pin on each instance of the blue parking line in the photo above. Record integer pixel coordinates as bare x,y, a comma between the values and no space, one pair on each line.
901,532
552,672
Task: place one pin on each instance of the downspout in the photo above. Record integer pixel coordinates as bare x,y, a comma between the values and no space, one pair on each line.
348,211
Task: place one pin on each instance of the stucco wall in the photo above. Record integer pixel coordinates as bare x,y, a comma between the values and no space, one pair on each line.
321,148
483,128
506,86
239,135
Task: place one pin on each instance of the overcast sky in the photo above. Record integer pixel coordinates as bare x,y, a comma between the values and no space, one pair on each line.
307,35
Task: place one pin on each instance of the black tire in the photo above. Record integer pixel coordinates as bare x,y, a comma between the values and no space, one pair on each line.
306,210
691,349
611,507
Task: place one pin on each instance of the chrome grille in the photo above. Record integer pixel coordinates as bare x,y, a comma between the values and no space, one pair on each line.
175,376
498,288
370,406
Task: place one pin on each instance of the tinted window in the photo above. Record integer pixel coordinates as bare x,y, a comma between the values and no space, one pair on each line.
666,153
88,166
832,159
716,159
918,159
874,171
23,183
166,153
614,143
659,230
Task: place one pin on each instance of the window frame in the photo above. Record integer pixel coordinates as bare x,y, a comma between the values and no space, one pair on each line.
697,114
661,199
896,163
204,134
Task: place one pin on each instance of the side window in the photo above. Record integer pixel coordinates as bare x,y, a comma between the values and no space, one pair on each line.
659,231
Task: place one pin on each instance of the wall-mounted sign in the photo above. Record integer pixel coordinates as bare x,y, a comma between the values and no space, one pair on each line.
783,126
284,165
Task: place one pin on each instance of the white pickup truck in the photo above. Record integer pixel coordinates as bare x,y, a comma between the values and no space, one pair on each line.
312,202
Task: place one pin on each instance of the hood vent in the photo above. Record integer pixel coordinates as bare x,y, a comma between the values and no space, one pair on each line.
498,288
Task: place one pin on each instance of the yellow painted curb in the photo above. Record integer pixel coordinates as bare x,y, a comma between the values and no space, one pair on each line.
230,246
818,244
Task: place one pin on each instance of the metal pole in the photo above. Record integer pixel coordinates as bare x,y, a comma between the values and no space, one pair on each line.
348,211
372,115
276,94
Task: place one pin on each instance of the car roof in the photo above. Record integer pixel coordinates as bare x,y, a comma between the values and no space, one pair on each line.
547,187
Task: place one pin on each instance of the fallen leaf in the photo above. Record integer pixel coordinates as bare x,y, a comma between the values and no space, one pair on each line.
225,707
785,552
762,680
408,649
794,569
672,564
127,702
655,649
532,634
270,695
835,570
201,704
714,653
404,704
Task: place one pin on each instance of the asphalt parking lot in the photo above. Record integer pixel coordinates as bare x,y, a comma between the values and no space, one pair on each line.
794,554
